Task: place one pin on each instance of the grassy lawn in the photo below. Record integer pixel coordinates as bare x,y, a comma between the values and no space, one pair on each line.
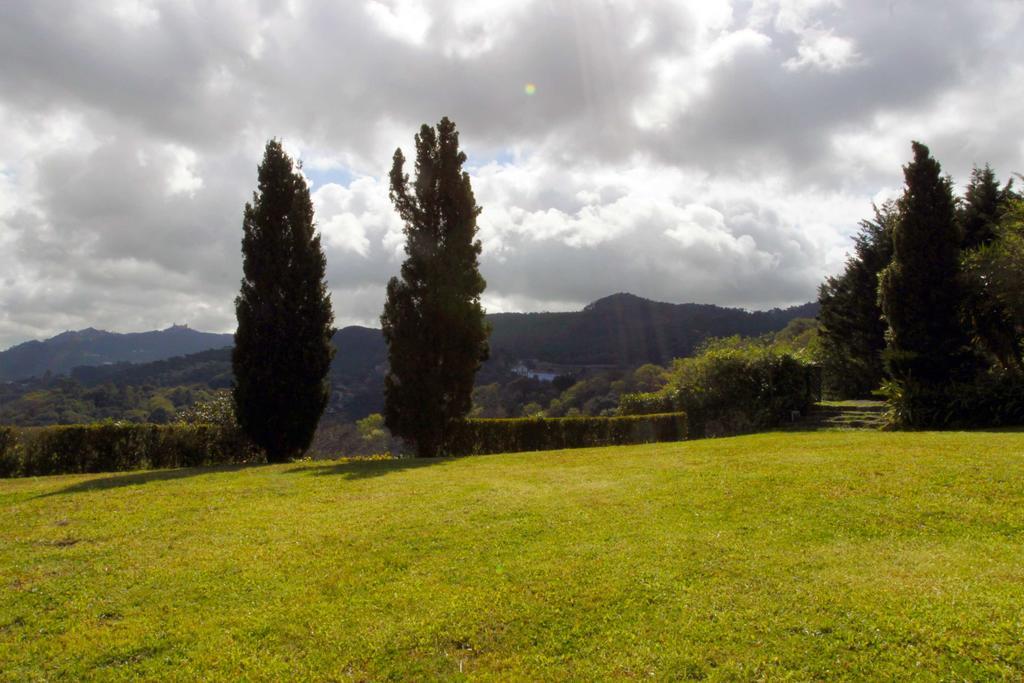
802,556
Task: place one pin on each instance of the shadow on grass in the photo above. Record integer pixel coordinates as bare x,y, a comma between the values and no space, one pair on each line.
366,469
115,481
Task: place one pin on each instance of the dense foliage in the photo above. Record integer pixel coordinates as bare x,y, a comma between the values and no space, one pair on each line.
73,449
994,273
948,298
852,332
62,400
920,290
733,386
994,276
982,208
283,342
480,436
948,311
594,392
991,399
433,323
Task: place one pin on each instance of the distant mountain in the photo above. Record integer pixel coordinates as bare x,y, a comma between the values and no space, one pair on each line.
620,330
91,347
211,368
627,330
360,350
364,351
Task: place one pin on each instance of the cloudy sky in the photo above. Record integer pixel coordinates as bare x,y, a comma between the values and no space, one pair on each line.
717,152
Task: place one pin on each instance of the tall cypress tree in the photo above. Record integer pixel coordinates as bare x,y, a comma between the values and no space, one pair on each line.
921,289
852,331
433,322
283,344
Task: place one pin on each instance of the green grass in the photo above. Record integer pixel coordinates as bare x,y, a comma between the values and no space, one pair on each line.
799,556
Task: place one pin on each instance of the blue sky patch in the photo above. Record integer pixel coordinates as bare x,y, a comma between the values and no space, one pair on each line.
321,177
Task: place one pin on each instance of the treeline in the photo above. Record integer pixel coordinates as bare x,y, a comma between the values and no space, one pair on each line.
737,385
929,310
63,400
600,393
627,331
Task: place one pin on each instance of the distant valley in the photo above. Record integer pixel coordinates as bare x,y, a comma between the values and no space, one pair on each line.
618,331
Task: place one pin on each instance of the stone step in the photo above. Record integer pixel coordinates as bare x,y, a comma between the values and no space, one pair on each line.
843,418
844,415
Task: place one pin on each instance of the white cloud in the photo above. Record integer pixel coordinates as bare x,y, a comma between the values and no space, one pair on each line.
181,178
823,50
719,152
134,13
406,20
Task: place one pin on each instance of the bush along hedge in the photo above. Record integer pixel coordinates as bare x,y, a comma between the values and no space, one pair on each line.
733,386
993,399
481,436
73,449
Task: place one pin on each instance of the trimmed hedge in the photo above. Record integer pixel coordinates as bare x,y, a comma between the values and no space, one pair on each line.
482,436
8,463
76,449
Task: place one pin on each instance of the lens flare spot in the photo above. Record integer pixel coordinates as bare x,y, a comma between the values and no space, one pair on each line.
530,88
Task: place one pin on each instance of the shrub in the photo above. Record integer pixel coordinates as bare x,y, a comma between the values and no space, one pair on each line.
117,447
651,403
9,461
733,386
993,399
480,436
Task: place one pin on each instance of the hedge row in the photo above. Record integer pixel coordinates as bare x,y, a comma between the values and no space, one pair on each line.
73,449
481,436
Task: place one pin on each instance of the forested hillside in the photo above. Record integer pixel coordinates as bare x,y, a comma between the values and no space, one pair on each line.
621,331
626,330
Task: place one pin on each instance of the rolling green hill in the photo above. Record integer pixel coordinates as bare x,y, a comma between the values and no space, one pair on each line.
869,556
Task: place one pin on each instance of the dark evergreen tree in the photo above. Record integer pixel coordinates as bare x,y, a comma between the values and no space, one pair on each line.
852,331
433,322
995,275
283,344
983,205
987,320
921,291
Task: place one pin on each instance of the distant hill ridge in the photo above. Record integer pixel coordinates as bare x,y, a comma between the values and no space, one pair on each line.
621,329
91,347
628,330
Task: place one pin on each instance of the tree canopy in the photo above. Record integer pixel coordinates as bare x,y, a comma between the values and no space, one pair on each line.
852,332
